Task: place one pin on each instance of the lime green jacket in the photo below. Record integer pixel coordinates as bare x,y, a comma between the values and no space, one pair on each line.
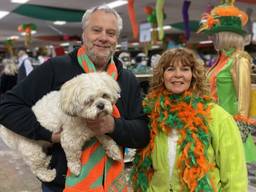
226,151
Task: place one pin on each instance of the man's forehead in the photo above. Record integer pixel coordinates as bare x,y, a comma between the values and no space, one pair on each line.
96,19
99,13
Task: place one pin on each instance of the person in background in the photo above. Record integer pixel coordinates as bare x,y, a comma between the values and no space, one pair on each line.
101,29
230,76
192,139
8,77
43,55
24,65
125,57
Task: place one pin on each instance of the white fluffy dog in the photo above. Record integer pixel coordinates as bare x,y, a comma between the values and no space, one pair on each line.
86,96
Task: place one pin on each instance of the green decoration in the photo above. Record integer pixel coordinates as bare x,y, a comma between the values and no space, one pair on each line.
49,13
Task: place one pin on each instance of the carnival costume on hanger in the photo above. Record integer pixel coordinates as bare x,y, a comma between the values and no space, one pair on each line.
229,77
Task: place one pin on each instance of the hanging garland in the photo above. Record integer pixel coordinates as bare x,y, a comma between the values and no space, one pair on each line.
8,44
133,21
156,17
189,115
185,14
27,29
160,17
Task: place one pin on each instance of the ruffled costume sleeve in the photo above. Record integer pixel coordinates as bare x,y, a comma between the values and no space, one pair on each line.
242,79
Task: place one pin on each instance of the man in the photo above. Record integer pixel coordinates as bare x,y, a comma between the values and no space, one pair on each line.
24,66
101,29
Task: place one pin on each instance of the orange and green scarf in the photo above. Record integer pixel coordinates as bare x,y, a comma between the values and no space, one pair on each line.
99,173
188,114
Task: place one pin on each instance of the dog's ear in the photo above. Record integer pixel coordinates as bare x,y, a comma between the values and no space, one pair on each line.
112,85
69,96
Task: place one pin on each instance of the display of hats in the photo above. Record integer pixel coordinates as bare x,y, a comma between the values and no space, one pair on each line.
224,17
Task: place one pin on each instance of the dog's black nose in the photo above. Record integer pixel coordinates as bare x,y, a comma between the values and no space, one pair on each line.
100,106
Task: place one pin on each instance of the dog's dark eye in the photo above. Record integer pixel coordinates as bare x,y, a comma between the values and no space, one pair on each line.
105,96
89,101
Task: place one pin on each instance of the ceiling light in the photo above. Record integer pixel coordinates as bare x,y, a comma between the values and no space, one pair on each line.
206,42
59,22
24,33
117,3
64,44
14,37
166,27
19,1
3,14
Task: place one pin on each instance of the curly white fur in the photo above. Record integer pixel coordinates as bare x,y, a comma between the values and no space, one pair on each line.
84,97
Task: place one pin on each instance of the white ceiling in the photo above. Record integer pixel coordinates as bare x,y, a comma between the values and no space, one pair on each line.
173,10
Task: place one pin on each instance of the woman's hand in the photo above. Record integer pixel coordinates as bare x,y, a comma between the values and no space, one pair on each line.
101,125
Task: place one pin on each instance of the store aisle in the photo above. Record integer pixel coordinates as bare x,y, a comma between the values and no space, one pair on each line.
15,176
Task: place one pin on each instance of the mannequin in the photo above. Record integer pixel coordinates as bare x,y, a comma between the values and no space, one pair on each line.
125,57
154,60
254,67
229,77
141,63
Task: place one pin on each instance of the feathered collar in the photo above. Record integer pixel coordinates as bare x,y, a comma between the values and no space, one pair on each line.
189,115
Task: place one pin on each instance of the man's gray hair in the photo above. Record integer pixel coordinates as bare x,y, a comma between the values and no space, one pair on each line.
106,9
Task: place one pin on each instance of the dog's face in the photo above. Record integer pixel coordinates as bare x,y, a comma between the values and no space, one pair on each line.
89,95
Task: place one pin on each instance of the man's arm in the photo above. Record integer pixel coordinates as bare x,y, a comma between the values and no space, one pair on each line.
131,130
15,105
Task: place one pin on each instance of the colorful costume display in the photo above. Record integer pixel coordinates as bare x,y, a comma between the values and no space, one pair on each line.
229,77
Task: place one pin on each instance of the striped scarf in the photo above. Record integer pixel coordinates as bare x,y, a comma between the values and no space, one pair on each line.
99,173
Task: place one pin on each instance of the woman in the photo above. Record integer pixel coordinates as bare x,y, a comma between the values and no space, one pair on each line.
9,76
192,139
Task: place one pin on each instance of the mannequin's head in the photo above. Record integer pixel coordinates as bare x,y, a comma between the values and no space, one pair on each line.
154,60
226,40
141,59
125,57
225,24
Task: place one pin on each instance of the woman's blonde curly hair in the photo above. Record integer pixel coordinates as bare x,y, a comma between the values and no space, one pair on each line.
10,68
199,85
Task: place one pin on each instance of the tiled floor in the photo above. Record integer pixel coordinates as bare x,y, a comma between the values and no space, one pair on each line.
15,176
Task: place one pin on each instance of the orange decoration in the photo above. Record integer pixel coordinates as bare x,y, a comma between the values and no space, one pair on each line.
132,16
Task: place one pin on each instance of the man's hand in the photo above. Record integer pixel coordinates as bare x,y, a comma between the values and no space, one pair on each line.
101,125
56,136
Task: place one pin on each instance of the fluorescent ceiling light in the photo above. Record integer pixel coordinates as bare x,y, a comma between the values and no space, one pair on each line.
3,14
14,37
117,3
166,27
32,33
206,42
64,44
19,1
59,22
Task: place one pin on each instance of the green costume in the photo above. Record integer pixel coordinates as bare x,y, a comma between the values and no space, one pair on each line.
230,81
230,77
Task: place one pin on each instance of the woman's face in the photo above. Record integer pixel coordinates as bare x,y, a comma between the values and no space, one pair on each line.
177,78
